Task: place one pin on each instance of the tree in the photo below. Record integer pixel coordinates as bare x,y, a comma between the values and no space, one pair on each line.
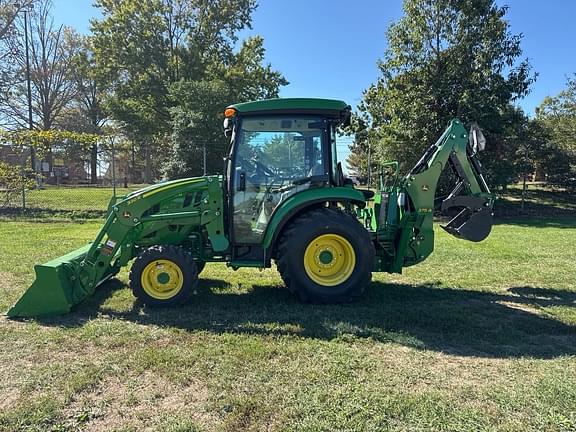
197,123
360,151
86,112
9,10
197,114
557,115
445,59
10,32
157,54
52,50
143,46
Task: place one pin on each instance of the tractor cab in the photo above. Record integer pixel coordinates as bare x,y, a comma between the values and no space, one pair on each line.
279,147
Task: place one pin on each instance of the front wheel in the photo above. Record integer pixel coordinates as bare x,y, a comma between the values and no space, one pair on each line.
326,256
164,276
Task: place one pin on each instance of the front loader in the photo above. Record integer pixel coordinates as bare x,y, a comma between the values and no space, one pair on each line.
284,199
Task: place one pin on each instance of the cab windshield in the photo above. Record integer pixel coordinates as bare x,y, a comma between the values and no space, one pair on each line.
276,157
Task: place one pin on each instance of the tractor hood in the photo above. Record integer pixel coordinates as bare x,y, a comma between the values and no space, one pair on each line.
172,184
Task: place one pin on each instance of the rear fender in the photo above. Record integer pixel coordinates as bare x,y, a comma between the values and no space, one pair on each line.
302,201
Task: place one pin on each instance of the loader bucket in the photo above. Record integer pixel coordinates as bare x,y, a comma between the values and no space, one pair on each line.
58,287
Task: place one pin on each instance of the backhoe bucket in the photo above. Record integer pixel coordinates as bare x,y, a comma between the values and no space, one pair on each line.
474,221
58,287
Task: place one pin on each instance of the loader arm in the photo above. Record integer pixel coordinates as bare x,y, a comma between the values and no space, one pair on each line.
405,209
168,213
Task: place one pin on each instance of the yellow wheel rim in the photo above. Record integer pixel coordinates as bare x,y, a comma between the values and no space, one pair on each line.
162,279
329,260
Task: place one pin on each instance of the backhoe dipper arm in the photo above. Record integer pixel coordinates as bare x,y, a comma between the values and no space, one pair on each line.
471,195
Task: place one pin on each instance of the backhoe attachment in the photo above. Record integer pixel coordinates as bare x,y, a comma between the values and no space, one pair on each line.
405,207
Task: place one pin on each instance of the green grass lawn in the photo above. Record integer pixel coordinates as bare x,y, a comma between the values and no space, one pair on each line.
479,337
91,202
83,200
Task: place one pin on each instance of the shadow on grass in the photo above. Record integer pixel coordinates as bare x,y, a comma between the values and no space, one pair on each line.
545,297
539,221
50,215
445,319
561,198
543,208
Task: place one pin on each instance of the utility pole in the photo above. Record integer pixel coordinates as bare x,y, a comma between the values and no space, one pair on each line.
204,157
113,167
29,85
369,165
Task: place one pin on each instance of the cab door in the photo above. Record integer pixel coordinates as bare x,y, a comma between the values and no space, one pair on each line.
275,158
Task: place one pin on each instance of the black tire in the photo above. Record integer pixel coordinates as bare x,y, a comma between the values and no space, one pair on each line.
181,265
302,233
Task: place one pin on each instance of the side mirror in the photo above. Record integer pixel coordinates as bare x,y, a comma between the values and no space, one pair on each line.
476,139
347,117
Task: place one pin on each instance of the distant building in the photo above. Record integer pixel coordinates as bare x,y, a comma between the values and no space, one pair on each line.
8,156
54,170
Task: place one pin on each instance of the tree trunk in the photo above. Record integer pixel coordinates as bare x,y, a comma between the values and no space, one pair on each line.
147,163
538,173
94,164
524,187
133,167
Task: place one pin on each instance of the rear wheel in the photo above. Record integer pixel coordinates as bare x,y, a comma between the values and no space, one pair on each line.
164,276
326,256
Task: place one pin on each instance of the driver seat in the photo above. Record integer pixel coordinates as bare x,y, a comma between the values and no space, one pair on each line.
368,194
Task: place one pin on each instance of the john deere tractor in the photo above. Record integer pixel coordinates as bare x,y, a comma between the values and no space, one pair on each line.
284,199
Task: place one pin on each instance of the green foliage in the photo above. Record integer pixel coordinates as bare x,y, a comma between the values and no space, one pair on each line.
246,76
157,55
281,151
360,153
445,59
197,121
44,140
197,112
557,117
12,181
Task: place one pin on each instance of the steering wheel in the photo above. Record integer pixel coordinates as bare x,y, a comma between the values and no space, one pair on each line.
255,166
263,168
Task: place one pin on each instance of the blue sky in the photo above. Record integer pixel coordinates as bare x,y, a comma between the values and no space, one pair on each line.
329,48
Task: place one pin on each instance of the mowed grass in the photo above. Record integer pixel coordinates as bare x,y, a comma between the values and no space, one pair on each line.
73,198
479,337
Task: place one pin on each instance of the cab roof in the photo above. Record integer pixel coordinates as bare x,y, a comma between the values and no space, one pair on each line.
330,107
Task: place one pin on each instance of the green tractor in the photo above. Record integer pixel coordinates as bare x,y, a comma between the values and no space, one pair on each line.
284,199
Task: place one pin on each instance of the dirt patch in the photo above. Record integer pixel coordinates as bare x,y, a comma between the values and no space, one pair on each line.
10,289
521,307
9,397
7,280
139,402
